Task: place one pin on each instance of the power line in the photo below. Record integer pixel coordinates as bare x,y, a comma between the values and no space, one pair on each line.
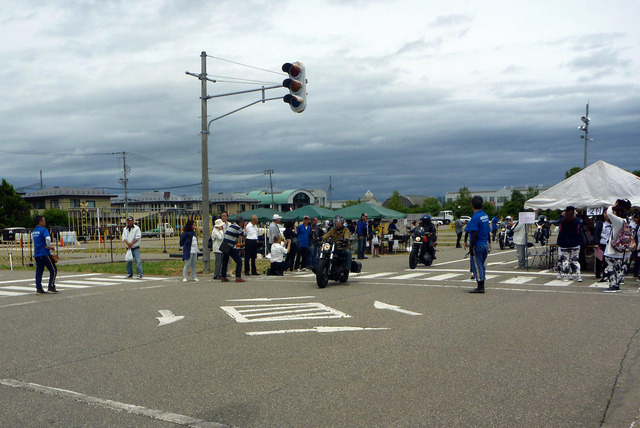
53,154
244,65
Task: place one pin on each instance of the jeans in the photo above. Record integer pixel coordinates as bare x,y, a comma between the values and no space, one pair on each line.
218,267
459,235
45,262
347,258
190,264
362,243
136,257
301,258
233,253
313,256
522,254
478,261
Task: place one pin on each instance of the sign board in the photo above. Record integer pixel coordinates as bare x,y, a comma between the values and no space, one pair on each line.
595,211
527,217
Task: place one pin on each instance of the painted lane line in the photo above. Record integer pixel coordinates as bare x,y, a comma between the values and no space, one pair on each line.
500,272
557,283
315,330
306,275
270,299
13,293
382,305
280,312
601,285
486,278
517,280
20,288
465,259
409,275
376,275
87,283
113,405
63,285
46,278
442,277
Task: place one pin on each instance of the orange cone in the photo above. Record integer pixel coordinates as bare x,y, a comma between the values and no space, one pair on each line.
61,242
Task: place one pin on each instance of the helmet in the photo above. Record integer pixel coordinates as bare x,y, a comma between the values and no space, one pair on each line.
426,217
508,218
542,218
338,218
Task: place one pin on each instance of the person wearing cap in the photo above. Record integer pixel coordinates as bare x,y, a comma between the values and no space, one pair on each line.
304,233
131,236
362,230
569,241
217,235
274,230
338,232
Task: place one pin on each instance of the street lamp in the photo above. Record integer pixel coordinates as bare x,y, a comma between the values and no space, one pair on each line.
585,119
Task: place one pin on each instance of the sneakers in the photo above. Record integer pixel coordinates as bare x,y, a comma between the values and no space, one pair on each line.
579,278
477,291
139,277
570,277
611,289
196,279
40,291
184,279
559,276
240,280
128,276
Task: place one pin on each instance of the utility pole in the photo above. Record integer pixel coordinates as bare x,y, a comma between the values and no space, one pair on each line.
585,119
270,172
206,232
330,194
124,182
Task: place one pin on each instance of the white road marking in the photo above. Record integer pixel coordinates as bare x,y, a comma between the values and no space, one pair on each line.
46,278
281,312
409,275
174,418
557,283
306,275
486,278
91,283
65,285
376,275
270,299
382,305
12,293
167,317
442,277
20,288
314,330
517,280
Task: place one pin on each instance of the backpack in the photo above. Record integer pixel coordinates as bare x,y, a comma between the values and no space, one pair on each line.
624,240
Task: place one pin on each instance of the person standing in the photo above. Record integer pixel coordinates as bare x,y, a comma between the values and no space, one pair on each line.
494,227
42,247
228,248
393,231
520,240
217,236
251,246
189,244
304,233
376,237
291,236
458,229
616,268
569,241
278,253
636,264
131,235
363,232
479,229
274,230
601,234
224,216
314,241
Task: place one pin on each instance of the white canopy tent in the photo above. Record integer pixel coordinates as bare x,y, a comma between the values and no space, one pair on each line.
598,185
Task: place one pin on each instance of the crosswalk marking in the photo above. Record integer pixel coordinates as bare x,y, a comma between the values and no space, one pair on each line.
86,283
557,283
20,288
409,275
517,280
486,278
10,293
282,312
63,285
442,277
376,275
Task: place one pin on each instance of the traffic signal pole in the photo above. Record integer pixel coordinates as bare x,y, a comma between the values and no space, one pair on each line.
205,125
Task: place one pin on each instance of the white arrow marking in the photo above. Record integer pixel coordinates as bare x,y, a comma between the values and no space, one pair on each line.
167,317
314,330
381,305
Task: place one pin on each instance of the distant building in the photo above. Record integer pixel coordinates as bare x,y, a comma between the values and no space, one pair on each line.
408,200
283,201
66,198
497,198
158,201
370,199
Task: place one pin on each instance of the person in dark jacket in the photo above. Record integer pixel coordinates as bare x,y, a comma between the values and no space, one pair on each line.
569,241
601,234
291,235
189,244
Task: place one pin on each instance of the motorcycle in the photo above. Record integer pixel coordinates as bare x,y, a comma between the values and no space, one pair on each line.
330,263
422,247
541,235
505,238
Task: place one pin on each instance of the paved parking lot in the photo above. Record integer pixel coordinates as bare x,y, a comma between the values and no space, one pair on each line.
392,347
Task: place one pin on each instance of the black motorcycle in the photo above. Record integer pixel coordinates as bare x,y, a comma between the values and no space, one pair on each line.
330,263
505,238
422,247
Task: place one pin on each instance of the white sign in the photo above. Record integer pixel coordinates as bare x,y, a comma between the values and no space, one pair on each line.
595,211
527,217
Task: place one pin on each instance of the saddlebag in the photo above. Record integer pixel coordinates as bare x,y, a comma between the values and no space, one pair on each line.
356,266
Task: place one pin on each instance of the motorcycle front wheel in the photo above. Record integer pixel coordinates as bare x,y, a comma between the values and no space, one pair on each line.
413,257
322,273
501,241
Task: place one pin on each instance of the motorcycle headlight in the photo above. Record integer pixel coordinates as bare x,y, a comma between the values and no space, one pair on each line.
418,239
326,246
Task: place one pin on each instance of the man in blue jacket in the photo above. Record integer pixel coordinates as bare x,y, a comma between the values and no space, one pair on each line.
304,233
41,252
479,230
363,232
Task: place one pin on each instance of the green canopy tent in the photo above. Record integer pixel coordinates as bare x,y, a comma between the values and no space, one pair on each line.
373,211
264,214
310,211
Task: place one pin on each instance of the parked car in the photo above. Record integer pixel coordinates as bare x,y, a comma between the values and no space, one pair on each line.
162,229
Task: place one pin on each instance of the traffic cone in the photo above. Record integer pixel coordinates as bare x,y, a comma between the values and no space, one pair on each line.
101,239
61,242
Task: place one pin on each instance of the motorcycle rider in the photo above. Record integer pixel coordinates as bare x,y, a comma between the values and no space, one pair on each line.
337,232
430,231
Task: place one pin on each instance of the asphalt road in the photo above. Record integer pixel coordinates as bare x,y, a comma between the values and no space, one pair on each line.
279,352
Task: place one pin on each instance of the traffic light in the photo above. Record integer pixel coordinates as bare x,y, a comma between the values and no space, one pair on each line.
297,85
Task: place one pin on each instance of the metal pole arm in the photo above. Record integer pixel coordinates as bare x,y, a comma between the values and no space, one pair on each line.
243,92
242,108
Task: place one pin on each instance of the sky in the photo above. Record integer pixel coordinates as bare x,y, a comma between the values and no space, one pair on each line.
423,97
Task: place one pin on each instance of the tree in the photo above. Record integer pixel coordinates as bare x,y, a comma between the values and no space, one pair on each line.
14,210
430,205
395,203
636,172
574,170
461,204
515,205
56,217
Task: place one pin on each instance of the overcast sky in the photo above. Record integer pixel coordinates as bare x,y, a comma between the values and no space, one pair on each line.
420,96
